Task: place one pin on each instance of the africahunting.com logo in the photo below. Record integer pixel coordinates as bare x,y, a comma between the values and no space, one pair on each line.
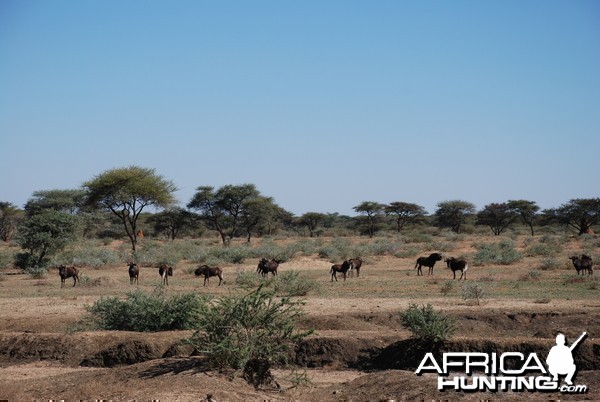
509,371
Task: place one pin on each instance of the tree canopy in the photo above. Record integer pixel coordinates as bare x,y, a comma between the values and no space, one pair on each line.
405,213
580,214
527,210
372,210
44,234
452,214
232,209
498,216
127,191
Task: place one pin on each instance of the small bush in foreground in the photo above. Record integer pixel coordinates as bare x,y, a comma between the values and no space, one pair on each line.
249,332
148,312
428,325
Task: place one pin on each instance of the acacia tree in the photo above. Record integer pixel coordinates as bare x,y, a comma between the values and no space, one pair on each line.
311,220
10,216
230,208
372,210
498,216
258,212
453,214
126,192
42,235
68,201
527,210
172,221
580,214
405,213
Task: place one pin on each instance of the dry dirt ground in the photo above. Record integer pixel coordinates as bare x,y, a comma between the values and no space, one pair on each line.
359,351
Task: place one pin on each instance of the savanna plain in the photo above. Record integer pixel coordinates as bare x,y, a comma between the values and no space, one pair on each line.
520,291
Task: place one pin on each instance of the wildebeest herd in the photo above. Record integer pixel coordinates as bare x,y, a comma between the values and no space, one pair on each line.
583,265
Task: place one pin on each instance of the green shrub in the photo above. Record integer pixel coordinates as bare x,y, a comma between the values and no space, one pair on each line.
447,288
503,253
550,263
378,247
304,246
288,283
408,252
532,275
148,312
6,259
248,280
473,291
153,253
37,273
293,283
249,332
88,255
428,325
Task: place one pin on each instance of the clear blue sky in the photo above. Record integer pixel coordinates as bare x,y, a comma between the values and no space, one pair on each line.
320,104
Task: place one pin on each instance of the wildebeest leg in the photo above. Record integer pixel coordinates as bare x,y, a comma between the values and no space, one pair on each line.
220,280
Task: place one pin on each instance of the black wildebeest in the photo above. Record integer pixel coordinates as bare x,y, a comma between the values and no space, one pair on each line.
265,266
427,262
343,268
355,264
208,272
165,271
134,272
68,272
457,265
583,264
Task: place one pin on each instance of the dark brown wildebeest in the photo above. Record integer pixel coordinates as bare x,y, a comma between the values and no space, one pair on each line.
165,271
457,265
343,268
427,262
68,272
265,266
134,272
583,264
208,272
355,264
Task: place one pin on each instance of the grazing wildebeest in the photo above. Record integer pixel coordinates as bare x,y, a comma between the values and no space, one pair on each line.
343,268
265,266
134,272
355,264
68,272
583,264
427,262
165,271
208,272
457,265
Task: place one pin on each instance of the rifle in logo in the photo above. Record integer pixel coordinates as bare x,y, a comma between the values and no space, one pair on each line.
560,359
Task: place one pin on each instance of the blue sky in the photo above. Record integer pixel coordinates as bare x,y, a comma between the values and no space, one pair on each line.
320,104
